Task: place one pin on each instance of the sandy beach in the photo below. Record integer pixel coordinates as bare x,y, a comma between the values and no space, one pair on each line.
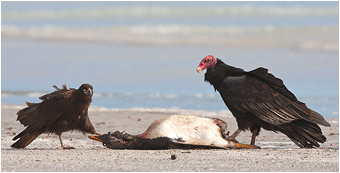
278,153
141,59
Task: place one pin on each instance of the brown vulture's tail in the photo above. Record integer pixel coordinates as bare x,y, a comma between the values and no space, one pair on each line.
25,139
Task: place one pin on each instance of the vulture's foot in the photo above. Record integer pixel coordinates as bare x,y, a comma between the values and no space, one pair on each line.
230,138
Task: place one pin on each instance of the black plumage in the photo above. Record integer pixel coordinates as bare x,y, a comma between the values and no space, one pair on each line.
60,111
257,99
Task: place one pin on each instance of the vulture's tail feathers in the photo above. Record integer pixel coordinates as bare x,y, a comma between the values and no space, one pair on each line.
304,134
25,139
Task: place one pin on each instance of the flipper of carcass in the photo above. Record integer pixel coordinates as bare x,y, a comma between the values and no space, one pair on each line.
177,132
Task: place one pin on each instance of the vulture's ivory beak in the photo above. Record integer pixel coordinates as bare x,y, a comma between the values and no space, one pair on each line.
199,69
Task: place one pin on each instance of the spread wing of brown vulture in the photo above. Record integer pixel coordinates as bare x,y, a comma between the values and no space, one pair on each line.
257,99
60,111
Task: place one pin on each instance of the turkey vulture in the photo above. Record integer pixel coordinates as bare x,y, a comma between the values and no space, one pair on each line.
174,132
257,99
60,111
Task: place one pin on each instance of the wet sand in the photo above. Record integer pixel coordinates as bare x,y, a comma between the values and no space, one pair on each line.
278,153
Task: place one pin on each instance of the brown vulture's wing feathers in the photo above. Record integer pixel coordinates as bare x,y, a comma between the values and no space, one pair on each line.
46,112
60,93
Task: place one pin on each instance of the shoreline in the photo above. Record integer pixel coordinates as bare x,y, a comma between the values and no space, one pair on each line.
278,153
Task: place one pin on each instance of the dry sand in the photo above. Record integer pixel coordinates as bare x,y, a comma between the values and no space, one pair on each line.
278,153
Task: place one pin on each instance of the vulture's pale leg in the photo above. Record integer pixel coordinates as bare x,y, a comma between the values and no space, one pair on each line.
253,137
233,136
62,144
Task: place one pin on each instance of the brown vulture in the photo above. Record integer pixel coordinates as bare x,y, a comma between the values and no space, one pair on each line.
257,99
174,132
60,111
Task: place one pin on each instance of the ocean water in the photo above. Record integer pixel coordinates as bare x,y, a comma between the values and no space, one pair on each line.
144,54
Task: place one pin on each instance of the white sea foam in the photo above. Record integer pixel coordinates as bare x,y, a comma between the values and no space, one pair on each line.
154,95
129,94
170,96
211,95
160,29
173,110
35,94
199,95
97,95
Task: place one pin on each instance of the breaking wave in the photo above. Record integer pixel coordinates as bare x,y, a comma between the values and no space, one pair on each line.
323,38
161,11
173,110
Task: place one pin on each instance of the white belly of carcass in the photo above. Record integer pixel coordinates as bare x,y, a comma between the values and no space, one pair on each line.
187,130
